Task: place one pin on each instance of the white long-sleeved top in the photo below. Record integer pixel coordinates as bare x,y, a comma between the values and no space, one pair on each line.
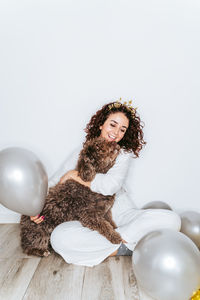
80,245
113,182
115,179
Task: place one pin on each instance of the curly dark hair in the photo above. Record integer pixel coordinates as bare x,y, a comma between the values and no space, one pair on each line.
133,139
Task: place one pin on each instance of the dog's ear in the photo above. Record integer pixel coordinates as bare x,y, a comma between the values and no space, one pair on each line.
85,170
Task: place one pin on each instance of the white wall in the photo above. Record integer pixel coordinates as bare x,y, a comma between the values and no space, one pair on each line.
61,60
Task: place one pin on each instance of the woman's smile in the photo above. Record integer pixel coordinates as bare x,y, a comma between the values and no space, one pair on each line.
114,128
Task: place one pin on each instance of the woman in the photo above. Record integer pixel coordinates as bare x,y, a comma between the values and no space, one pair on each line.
79,245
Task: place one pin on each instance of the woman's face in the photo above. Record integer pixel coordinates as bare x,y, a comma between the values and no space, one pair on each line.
114,128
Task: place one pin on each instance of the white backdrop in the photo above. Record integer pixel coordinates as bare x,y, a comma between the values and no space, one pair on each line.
60,61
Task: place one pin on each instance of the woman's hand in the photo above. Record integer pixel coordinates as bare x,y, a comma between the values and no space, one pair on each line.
37,219
73,174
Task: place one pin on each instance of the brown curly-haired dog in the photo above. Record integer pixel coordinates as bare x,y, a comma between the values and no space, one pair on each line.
73,201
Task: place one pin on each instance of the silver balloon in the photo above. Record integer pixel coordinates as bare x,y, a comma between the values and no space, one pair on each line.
166,264
190,225
157,204
23,181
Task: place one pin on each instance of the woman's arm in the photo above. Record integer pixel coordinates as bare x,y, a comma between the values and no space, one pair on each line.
109,183
106,184
112,181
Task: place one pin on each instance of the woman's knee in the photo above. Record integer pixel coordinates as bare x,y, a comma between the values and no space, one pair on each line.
175,221
56,237
165,218
71,231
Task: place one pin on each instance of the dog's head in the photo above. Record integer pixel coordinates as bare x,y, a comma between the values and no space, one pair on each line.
97,156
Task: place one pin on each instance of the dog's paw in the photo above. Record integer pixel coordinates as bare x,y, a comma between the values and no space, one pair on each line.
46,253
115,238
112,223
37,252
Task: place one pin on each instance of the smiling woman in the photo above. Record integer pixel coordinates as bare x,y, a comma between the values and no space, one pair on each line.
80,245
124,118
114,127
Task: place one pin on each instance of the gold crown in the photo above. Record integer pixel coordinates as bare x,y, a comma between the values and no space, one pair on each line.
128,105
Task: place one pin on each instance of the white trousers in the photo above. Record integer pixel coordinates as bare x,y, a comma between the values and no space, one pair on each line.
81,246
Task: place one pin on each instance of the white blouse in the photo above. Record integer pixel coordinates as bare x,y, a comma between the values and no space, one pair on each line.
115,181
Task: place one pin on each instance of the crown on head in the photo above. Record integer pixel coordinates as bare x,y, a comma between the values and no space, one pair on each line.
128,105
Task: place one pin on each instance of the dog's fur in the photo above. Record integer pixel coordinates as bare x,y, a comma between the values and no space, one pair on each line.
73,201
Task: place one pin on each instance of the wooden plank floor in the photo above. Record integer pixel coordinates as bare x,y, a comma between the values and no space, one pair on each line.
30,278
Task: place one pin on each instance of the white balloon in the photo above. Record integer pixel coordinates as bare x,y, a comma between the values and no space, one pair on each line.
23,181
166,264
190,226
